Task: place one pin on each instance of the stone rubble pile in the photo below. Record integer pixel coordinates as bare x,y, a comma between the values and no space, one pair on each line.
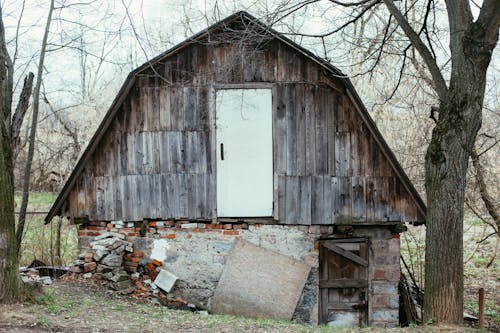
104,261
112,261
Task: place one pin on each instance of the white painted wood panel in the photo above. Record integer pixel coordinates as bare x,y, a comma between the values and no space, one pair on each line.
244,152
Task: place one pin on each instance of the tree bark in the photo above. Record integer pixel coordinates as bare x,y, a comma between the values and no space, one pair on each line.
9,275
446,161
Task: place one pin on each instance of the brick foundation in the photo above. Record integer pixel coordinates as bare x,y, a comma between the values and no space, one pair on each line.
196,253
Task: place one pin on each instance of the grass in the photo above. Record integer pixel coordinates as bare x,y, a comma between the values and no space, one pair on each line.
41,199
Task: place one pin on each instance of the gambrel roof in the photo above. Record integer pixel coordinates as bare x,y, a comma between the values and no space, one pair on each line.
58,206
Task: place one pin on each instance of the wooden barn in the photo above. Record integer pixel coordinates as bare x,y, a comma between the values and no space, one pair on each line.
252,170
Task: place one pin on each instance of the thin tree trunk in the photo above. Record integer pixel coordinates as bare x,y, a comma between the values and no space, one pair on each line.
17,119
31,145
58,242
9,275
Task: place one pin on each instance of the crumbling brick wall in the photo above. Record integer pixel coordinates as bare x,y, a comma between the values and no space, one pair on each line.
196,253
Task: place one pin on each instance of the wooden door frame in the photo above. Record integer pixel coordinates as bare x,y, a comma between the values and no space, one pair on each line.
362,262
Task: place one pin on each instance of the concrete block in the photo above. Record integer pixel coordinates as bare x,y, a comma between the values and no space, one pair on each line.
165,280
253,283
189,225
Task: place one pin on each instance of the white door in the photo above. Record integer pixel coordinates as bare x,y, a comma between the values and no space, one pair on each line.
244,152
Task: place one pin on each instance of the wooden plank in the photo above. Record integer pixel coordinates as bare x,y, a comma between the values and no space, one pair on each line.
144,186
330,245
342,116
191,199
118,180
291,130
181,182
328,200
177,108
304,197
280,131
164,152
341,190
165,111
175,144
382,200
190,116
201,197
155,196
370,199
172,196
292,185
131,160
317,200
330,106
321,133
202,109
310,100
109,191
276,206
211,195
300,127
343,283
342,154
282,198
358,199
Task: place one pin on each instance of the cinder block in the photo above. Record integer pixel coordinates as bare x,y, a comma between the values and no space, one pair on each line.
165,280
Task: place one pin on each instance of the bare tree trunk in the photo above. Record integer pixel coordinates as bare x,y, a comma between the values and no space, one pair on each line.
31,146
446,161
58,242
9,275
446,168
17,119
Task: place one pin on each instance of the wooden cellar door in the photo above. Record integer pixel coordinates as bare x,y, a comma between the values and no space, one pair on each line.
343,282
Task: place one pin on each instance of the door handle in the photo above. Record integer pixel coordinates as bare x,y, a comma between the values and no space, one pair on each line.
222,151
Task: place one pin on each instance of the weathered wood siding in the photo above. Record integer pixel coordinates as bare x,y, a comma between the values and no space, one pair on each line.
157,159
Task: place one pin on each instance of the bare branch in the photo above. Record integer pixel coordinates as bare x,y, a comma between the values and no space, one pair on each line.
489,19
430,61
483,190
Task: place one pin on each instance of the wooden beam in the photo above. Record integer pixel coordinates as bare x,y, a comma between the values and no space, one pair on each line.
349,255
343,283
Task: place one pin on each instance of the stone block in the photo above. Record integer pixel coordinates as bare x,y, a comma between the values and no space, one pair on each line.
165,280
386,315
112,260
99,254
385,288
189,225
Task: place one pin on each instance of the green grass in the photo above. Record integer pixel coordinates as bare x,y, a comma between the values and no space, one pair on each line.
44,199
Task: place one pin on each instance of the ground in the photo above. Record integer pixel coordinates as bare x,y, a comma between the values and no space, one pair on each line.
76,305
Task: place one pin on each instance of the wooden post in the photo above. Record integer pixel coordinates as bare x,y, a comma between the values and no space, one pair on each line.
481,308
